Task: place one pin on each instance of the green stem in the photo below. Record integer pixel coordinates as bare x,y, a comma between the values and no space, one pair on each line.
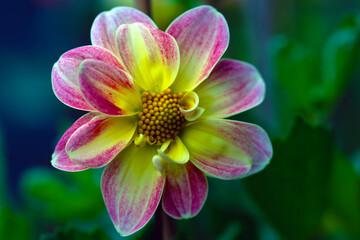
165,227
144,6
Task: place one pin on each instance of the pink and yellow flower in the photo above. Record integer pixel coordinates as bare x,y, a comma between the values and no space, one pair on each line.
157,103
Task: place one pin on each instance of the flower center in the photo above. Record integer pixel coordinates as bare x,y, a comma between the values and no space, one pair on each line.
160,119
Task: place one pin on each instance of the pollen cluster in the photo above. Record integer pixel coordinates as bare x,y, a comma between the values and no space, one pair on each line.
160,119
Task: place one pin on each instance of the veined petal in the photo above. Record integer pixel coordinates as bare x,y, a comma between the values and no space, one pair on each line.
65,74
151,56
261,144
108,89
103,30
60,159
203,36
132,188
231,88
97,142
218,148
174,152
185,190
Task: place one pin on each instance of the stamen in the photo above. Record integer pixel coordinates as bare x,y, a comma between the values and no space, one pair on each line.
160,119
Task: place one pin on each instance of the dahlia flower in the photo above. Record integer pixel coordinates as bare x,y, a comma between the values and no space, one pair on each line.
157,102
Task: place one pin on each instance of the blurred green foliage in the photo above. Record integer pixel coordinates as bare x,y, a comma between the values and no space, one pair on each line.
344,198
13,225
292,190
62,196
310,81
340,59
71,233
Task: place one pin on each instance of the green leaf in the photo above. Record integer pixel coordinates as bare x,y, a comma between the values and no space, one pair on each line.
351,21
231,232
339,62
344,199
294,74
292,190
13,226
62,196
309,79
295,69
225,215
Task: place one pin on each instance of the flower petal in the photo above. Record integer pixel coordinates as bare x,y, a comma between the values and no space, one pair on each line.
60,159
231,88
261,144
203,36
149,55
108,89
65,74
189,106
97,142
218,148
103,30
174,152
132,188
185,190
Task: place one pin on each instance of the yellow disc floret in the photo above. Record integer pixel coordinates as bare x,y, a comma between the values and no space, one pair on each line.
160,119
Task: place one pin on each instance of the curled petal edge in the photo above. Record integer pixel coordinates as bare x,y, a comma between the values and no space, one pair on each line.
189,106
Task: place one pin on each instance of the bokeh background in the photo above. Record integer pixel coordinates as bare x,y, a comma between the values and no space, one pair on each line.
308,54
